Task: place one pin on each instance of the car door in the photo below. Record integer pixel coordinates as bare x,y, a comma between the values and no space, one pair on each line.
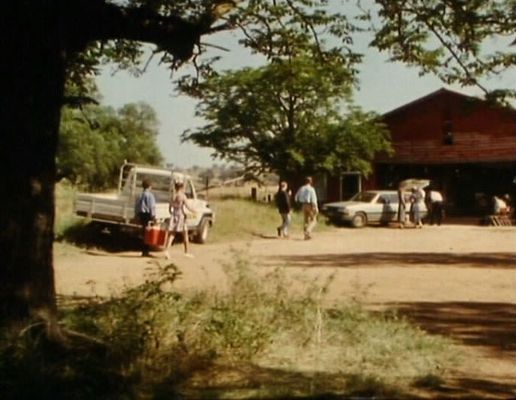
375,209
389,207
192,219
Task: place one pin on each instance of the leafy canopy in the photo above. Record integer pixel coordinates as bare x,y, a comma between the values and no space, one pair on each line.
448,38
286,117
94,143
443,37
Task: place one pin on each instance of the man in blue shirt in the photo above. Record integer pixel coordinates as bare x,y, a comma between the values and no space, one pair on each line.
307,197
145,210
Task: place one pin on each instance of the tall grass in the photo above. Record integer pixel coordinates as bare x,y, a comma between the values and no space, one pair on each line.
237,218
255,340
244,219
64,216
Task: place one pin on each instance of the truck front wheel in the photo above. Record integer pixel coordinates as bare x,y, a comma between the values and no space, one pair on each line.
202,233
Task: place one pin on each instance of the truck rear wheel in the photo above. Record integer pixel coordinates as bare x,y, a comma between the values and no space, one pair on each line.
202,233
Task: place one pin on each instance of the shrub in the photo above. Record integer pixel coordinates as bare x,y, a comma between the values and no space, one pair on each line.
255,339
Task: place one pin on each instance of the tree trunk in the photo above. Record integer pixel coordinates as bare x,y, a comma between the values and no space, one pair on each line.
33,71
38,37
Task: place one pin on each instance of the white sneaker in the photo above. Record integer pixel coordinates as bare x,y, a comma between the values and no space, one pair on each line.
189,255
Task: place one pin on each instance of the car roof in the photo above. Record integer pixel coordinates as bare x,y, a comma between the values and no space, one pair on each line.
381,191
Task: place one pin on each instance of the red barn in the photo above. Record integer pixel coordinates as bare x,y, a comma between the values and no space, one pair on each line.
464,145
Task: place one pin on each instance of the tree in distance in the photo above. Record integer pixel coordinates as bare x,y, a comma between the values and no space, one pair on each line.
90,152
292,116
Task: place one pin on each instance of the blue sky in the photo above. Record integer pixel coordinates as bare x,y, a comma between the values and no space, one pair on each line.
383,87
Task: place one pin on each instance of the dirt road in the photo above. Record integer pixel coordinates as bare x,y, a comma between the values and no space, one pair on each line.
459,281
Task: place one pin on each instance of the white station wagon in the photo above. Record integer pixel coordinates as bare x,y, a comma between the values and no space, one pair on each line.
372,206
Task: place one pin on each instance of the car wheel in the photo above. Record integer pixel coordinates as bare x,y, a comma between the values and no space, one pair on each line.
202,233
359,220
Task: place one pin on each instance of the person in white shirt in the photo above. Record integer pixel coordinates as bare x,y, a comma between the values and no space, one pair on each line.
500,206
435,205
307,197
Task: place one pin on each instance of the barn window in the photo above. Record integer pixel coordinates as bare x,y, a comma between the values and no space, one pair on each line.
448,133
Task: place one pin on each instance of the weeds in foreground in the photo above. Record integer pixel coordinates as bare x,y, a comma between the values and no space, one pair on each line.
255,340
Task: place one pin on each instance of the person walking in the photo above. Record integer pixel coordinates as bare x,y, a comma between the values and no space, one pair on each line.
178,224
435,206
284,208
307,197
145,210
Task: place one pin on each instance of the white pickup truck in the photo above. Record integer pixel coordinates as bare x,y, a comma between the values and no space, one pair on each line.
117,209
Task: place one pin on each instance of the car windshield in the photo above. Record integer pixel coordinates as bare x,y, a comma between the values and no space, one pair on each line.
365,197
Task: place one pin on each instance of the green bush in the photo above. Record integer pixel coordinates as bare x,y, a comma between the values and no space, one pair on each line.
254,339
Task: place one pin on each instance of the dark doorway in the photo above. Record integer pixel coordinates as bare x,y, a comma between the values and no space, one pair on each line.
467,188
350,185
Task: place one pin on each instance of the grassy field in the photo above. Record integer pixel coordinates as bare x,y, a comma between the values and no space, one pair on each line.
255,341
237,216
243,219
64,219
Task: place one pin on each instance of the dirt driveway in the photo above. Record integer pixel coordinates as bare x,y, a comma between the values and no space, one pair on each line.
459,281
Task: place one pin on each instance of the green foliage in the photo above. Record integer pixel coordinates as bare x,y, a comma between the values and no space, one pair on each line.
287,117
441,37
64,217
287,29
95,141
448,38
154,340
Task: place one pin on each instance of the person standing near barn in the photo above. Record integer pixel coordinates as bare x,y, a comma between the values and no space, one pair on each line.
435,205
307,197
402,205
283,204
417,198
145,211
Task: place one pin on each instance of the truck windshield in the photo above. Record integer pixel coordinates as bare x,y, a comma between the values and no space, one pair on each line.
160,185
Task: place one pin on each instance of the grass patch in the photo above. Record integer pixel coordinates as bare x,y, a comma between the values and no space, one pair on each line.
64,216
237,218
255,340
242,219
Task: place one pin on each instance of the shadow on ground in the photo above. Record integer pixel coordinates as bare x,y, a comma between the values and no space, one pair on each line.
339,260
102,237
252,381
488,325
491,325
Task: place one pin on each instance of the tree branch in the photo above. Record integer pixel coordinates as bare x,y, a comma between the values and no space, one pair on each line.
92,20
